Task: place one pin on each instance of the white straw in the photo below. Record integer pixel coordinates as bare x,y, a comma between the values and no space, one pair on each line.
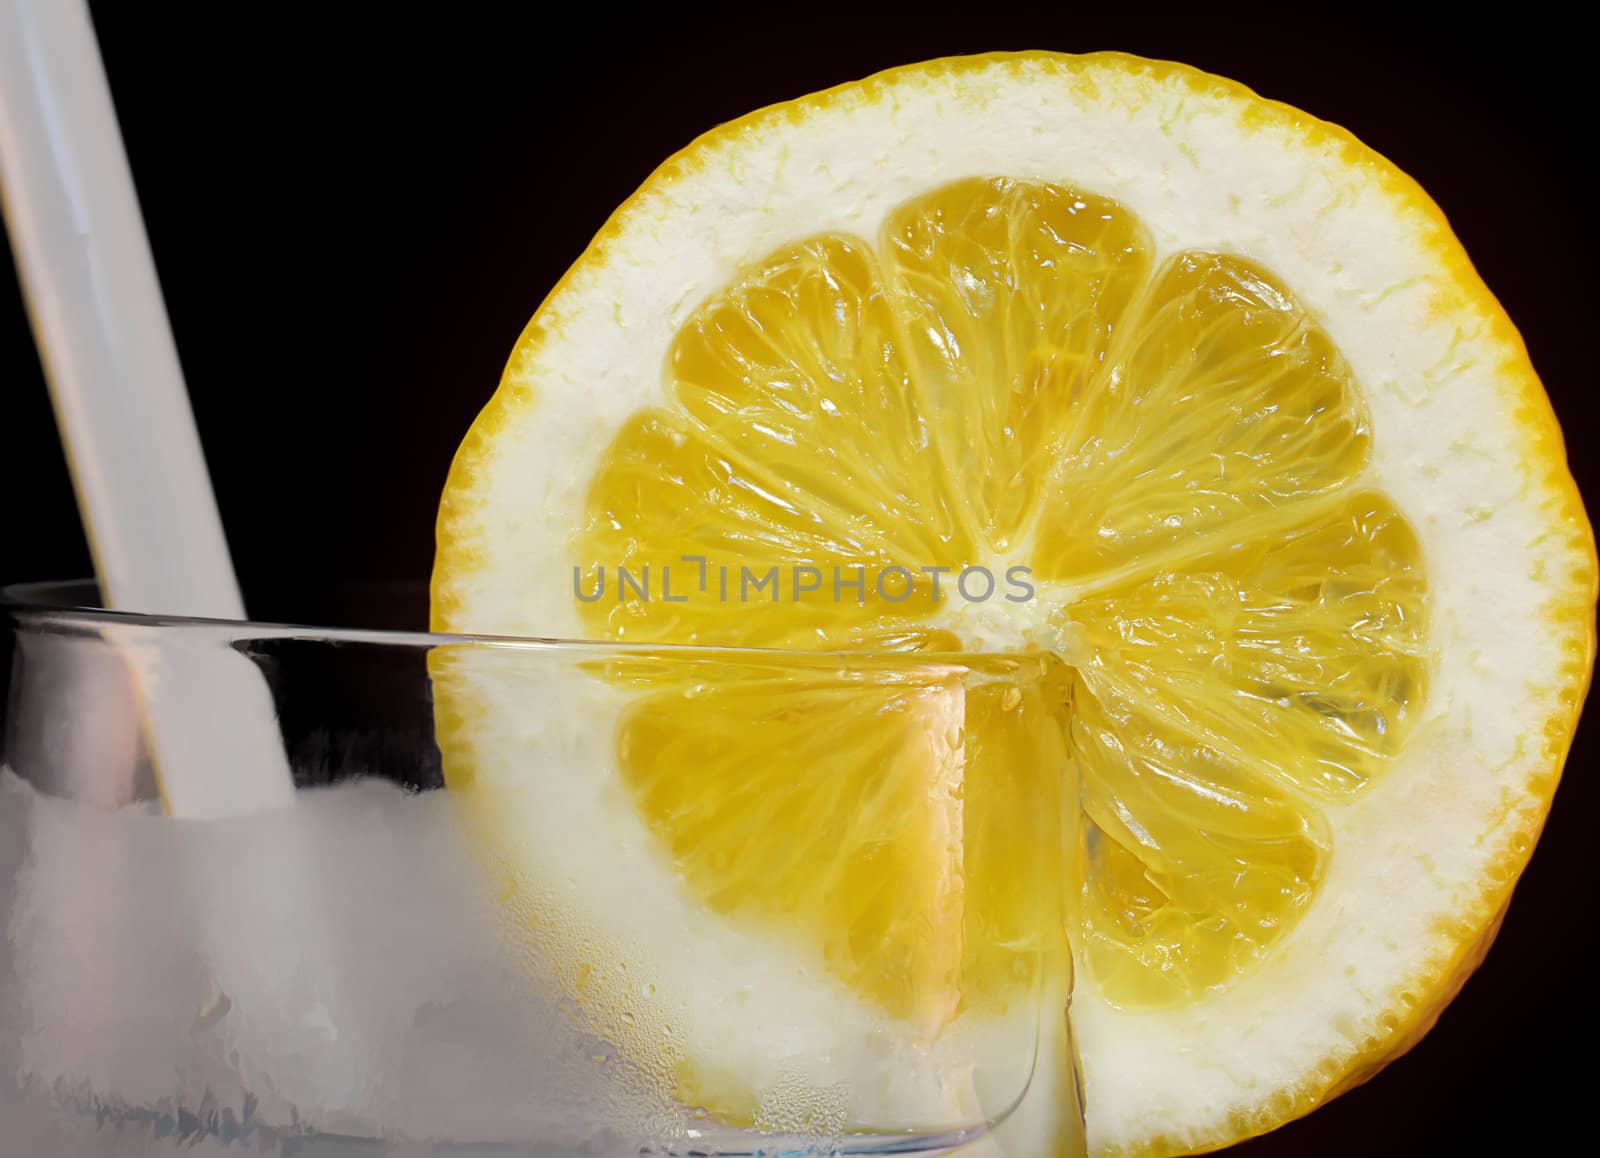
124,414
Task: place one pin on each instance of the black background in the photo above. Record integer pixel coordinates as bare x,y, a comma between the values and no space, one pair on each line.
353,224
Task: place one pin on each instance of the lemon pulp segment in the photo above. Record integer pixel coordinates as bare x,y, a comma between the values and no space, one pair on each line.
1174,451
896,826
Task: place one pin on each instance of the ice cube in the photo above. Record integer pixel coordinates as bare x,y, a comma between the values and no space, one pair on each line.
337,967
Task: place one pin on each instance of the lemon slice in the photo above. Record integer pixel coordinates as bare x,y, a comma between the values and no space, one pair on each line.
1206,397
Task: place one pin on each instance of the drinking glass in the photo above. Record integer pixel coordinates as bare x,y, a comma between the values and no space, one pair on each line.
407,958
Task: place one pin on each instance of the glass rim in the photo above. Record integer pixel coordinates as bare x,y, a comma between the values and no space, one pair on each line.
59,601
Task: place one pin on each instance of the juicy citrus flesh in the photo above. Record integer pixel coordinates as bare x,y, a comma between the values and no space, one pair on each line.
1236,619
898,827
